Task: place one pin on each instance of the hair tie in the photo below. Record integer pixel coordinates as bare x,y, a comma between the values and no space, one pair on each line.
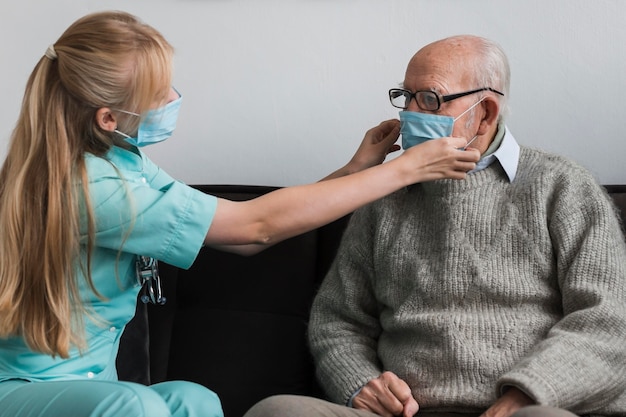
51,53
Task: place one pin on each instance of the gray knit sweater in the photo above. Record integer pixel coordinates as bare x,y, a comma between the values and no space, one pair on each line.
463,288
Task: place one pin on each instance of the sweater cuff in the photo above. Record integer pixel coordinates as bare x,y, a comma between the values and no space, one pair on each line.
530,384
349,403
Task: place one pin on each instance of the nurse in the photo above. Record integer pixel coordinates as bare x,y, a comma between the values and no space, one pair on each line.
81,204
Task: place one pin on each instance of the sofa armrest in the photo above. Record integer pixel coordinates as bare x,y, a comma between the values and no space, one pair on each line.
618,193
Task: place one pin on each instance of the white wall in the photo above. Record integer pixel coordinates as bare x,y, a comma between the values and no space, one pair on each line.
280,92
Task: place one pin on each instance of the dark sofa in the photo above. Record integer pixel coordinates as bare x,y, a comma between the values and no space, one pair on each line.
237,324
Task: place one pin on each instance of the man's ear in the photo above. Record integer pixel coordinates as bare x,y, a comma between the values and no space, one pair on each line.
491,108
106,119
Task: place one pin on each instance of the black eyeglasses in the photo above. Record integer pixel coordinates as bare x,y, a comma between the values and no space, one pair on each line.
427,100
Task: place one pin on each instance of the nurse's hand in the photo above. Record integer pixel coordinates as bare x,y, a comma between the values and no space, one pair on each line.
441,158
378,142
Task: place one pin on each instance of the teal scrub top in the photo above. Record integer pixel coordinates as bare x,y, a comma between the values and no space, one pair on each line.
142,210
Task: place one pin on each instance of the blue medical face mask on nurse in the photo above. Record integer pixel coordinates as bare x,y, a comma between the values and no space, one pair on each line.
156,125
418,127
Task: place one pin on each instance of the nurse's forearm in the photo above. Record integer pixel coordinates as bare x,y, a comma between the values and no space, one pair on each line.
291,211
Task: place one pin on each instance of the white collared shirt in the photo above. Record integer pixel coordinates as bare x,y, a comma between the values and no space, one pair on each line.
507,154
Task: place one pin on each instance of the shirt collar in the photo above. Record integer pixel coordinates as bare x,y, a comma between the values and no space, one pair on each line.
131,159
507,154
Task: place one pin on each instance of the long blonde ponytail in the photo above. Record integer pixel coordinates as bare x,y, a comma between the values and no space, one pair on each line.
105,59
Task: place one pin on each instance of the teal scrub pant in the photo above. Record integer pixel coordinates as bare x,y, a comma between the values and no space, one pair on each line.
91,398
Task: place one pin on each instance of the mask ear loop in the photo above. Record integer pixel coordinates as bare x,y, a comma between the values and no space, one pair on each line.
122,133
470,108
126,112
461,115
470,142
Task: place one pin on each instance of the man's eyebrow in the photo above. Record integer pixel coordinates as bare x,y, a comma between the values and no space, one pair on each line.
433,89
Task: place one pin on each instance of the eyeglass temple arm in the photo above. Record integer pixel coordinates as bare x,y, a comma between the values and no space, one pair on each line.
467,93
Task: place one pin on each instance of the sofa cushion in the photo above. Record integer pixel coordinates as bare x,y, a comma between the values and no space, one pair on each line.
244,319
233,321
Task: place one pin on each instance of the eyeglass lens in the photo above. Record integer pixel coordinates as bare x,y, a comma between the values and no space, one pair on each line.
426,100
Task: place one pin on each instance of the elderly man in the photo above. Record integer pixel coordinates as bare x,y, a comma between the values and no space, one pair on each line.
501,294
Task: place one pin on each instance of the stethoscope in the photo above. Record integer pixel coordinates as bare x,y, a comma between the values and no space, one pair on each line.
147,269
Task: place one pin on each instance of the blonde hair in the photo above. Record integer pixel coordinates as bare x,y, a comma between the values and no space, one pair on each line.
106,59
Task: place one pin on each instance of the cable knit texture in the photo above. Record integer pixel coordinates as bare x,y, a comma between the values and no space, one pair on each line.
463,288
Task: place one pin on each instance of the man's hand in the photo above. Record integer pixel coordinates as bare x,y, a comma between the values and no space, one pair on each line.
387,396
512,400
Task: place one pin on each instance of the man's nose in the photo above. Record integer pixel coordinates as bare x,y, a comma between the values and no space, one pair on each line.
412,105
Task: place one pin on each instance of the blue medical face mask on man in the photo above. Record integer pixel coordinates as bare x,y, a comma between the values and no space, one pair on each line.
418,127
157,124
